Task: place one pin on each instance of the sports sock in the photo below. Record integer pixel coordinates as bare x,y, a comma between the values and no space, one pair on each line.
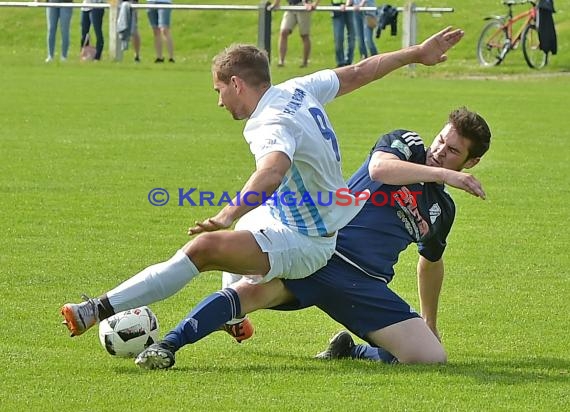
227,280
372,353
105,310
205,318
154,283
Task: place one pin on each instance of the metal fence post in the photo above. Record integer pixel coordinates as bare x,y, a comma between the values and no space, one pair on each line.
264,28
409,26
115,52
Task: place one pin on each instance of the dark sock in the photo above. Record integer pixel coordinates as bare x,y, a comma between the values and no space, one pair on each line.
105,308
205,318
372,353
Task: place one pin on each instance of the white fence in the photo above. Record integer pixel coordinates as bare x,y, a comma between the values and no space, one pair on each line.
409,21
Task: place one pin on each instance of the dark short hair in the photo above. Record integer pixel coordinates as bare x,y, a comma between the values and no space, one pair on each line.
245,61
473,127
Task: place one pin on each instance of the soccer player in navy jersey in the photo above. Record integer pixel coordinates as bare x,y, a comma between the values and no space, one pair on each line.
408,204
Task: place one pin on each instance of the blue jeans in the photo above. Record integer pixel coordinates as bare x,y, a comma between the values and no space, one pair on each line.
365,36
340,21
93,17
159,17
53,15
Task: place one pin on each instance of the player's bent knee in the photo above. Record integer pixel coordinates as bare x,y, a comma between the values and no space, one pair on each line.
433,355
410,341
204,249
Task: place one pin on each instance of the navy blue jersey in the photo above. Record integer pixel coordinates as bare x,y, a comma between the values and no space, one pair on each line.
395,216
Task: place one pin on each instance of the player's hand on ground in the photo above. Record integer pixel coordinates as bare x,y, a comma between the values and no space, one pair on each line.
437,334
433,328
432,50
210,225
464,181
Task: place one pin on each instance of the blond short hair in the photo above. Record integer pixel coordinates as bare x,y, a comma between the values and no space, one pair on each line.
249,63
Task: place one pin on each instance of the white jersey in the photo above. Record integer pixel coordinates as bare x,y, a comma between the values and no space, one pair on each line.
290,118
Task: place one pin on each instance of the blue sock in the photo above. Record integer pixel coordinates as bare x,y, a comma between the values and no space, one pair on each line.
372,353
205,318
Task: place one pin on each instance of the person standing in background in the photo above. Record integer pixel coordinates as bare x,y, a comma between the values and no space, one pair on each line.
63,16
159,20
365,22
127,27
288,23
135,36
343,19
93,17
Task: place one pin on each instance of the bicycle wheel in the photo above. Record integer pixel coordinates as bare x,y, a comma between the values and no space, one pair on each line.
535,58
491,43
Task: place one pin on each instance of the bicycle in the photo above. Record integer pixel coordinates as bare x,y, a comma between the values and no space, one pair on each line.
497,38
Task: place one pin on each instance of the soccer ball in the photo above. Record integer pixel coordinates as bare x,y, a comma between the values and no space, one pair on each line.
128,333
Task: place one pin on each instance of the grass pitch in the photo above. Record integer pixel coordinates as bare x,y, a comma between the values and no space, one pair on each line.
82,145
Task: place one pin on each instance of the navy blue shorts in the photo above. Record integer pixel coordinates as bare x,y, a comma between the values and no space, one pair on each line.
361,303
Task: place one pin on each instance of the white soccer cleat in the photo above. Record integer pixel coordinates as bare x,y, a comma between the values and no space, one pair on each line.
79,317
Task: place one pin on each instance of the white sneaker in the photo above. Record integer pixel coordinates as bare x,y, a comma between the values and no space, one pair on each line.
49,59
63,59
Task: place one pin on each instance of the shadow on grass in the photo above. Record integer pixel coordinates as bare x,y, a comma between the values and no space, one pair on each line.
485,370
537,369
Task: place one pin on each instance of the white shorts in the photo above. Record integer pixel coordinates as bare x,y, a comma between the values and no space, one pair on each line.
292,255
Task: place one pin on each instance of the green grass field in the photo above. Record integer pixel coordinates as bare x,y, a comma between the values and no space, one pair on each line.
82,144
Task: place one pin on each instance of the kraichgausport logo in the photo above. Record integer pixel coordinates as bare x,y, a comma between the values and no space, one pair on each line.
193,197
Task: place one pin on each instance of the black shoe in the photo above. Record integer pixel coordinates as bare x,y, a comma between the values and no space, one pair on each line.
340,346
159,355
159,60
171,60
137,59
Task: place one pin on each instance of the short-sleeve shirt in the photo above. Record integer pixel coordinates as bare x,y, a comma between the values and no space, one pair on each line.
396,216
290,118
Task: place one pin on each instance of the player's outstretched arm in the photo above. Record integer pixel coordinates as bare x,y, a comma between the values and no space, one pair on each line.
267,177
430,52
389,169
464,181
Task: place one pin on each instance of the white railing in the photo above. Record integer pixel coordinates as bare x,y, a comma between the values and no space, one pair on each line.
409,21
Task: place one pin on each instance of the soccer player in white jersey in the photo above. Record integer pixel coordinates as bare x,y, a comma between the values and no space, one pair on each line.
296,151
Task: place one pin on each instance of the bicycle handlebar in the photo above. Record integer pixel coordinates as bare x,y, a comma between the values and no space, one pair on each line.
513,2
